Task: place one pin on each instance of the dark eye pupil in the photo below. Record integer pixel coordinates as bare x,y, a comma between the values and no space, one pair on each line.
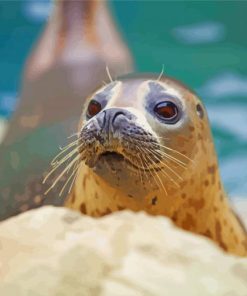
93,108
166,110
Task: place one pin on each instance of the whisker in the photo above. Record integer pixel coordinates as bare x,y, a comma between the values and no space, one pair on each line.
162,138
161,73
168,155
168,148
57,161
53,162
151,173
143,165
63,160
73,181
161,183
109,74
139,171
65,157
165,173
69,145
73,135
139,157
58,165
175,151
72,168
62,173
166,165
177,161
70,177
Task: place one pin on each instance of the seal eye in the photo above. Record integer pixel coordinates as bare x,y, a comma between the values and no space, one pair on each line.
167,111
93,108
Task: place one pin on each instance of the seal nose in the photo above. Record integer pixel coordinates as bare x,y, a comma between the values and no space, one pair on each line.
113,119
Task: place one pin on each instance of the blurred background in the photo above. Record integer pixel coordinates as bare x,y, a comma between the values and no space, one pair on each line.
200,43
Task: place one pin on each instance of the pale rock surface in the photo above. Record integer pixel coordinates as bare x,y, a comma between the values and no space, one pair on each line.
57,252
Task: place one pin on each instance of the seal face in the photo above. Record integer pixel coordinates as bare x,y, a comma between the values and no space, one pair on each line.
124,140
145,144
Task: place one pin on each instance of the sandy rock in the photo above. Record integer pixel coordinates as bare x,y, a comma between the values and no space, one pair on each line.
53,251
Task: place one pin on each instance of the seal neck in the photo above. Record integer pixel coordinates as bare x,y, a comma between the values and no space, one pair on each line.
77,31
75,18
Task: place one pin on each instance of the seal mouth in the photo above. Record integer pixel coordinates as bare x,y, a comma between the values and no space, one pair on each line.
107,156
117,157
126,157
112,155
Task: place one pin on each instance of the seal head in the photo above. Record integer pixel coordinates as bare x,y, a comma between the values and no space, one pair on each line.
128,140
145,144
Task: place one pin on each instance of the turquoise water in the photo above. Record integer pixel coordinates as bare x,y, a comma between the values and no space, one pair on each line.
201,43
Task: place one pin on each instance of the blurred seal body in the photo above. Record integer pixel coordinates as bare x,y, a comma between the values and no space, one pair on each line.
66,65
145,144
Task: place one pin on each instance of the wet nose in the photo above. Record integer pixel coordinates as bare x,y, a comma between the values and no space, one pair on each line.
114,118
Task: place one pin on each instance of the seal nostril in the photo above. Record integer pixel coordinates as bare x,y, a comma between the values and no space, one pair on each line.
101,119
117,114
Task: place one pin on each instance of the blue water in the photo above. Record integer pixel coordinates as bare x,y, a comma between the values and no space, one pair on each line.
201,43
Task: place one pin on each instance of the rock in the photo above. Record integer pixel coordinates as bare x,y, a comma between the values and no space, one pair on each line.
55,251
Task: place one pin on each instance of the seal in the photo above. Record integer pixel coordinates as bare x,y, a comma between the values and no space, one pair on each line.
145,144
66,64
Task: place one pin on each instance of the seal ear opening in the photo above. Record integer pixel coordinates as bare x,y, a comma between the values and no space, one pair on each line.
199,110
